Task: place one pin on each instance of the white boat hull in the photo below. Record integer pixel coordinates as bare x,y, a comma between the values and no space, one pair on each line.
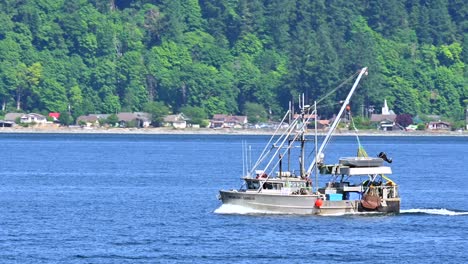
301,204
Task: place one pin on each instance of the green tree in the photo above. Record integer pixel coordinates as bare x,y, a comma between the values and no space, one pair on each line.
27,80
53,96
112,120
76,100
255,113
158,111
197,115
131,88
111,104
65,119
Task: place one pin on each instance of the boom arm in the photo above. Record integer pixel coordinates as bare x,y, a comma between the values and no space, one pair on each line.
336,121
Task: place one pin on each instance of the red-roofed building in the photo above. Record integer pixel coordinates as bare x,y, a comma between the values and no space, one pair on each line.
54,115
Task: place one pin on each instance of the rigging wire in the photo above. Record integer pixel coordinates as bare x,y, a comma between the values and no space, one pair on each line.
266,151
332,104
336,121
338,87
361,151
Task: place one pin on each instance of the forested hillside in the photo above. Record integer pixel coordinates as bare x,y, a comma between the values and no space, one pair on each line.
231,56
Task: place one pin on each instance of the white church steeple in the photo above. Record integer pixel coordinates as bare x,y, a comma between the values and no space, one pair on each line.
385,110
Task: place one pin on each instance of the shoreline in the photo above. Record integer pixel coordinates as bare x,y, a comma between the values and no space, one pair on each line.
209,131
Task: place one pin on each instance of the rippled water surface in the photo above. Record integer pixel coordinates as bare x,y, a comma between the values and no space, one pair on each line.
152,199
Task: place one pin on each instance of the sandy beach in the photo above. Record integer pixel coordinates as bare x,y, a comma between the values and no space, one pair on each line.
209,131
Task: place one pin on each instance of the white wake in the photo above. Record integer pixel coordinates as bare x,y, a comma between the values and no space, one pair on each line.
242,210
239,209
440,211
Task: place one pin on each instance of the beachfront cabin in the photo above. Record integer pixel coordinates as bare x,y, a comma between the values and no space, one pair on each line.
136,119
33,118
439,125
4,123
228,121
55,116
384,122
91,120
176,121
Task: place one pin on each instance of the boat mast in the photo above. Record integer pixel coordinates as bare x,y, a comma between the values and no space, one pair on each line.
304,124
291,113
316,146
244,170
337,120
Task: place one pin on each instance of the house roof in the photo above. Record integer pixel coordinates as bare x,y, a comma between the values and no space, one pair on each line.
13,116
100,116
87,118
175,118
229,118
54,115
126,116
439,123
219,117
380,118
143,116
237,119
33,115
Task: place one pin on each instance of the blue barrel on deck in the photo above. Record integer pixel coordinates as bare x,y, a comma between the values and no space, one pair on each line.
334,196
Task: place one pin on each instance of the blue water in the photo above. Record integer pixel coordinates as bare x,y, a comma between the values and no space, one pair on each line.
152,199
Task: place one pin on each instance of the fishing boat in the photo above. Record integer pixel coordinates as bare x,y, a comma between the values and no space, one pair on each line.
351,185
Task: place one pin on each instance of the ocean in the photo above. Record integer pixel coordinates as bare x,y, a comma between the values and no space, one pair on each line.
90,198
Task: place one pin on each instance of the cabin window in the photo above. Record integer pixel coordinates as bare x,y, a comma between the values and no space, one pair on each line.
253,185
272,186
297,184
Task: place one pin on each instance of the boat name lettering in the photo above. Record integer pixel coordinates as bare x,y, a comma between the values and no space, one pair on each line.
238,197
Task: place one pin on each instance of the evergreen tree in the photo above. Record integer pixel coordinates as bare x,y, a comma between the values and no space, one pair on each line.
89,56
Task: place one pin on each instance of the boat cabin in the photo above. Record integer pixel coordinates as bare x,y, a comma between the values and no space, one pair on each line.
279,185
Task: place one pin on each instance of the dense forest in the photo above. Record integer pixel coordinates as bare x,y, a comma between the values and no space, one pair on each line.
231,56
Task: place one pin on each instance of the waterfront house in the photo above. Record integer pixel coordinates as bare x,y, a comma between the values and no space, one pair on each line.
144,119
33,118
136,119
125,119
4,123
384,122
228,121
439,125
91,120
55,116
175,121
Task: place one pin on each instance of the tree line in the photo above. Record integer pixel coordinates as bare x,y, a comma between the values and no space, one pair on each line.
231,56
